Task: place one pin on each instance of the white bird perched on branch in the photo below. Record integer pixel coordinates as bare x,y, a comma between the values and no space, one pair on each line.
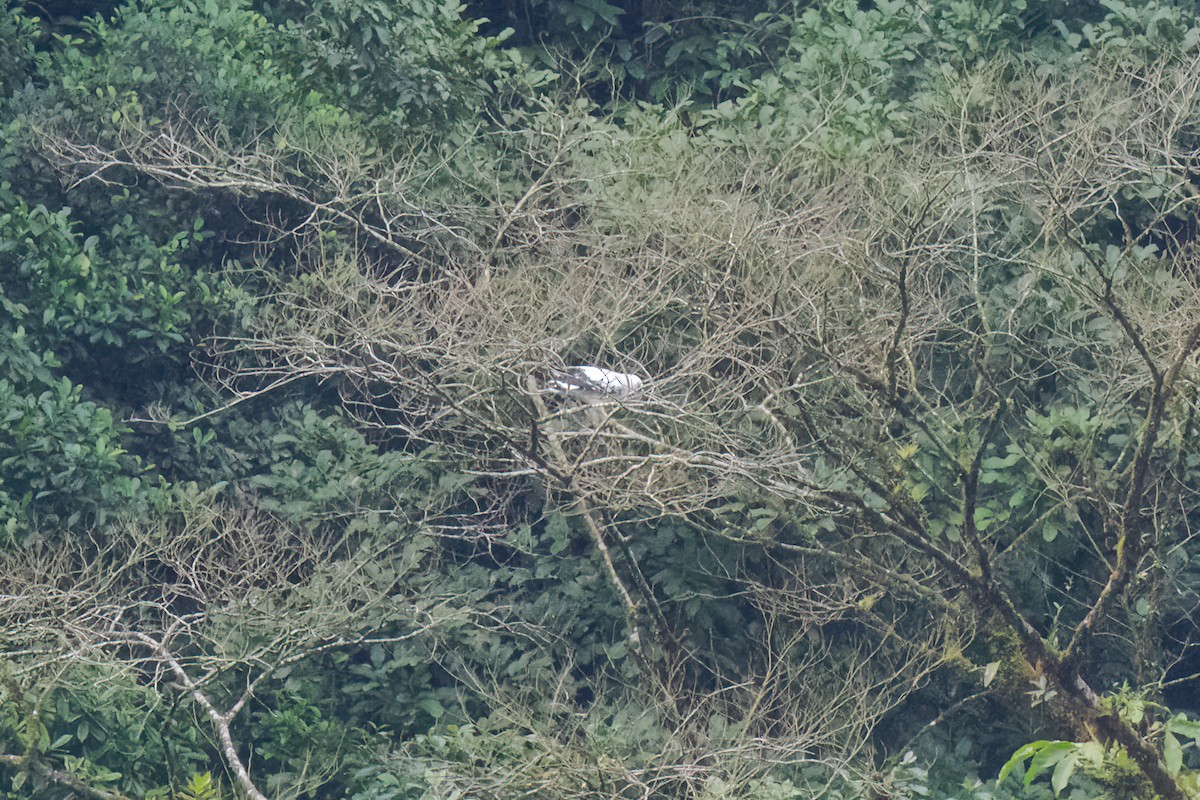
592,384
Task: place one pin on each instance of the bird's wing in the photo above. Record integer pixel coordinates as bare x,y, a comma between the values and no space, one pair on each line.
592,377
573,378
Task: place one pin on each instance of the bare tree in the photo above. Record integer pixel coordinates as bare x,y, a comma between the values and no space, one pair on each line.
849,349
211,608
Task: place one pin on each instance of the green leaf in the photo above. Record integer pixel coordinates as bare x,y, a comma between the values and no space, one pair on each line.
1183,726
1049,755
984,517
1092,753
1172,753
432,707
1063,772
989,672
1022,753
1001,463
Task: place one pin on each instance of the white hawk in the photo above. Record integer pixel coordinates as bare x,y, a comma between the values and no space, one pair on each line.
593,384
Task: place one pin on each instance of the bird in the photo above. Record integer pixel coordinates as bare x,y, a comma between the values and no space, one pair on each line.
593,384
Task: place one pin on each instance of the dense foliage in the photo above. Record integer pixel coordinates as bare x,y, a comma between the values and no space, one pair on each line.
906,507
